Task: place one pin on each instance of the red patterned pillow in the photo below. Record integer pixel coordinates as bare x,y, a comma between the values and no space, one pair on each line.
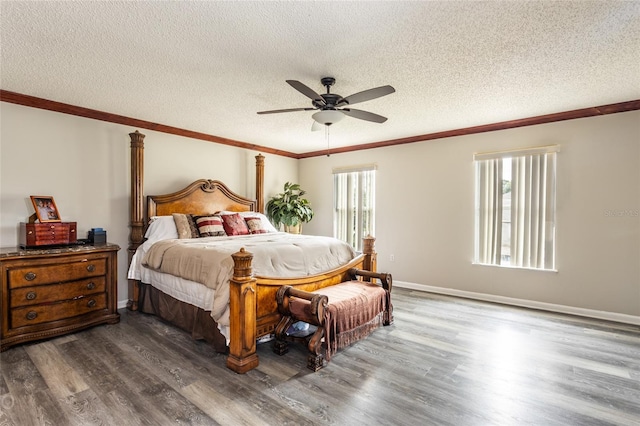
234,224
210,226
255,225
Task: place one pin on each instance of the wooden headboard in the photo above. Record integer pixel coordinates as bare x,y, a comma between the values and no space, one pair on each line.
203,196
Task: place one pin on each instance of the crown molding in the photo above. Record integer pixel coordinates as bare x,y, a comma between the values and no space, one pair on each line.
504,125
34,102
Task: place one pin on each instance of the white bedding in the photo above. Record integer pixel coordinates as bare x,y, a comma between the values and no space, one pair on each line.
275,255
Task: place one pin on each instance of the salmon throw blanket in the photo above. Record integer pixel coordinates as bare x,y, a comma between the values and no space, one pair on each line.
355,309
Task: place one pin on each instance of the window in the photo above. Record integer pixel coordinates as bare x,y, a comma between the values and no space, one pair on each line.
516,208
354,204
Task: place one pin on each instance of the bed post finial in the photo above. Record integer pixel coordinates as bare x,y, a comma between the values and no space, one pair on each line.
260,182
370,256
242,322
136,218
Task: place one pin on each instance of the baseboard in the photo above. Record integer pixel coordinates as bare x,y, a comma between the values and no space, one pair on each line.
122,304
590,313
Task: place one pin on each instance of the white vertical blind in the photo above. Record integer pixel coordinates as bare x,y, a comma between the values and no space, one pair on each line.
533,211
354,204
515,213
489,217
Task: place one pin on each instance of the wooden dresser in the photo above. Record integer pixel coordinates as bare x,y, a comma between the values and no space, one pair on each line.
54,291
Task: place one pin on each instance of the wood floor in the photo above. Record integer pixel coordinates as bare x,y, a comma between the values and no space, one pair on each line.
445,361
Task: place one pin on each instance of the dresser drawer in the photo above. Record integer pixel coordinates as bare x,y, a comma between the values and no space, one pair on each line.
32,315
47,274
26,296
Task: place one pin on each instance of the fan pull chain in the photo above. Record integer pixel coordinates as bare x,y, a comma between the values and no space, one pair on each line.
326,135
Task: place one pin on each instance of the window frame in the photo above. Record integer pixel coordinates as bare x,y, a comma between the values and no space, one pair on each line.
535,246
356,211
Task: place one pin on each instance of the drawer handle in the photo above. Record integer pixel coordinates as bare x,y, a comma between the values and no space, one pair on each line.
31,295
30,276
91,268
91,285
91,303
31,315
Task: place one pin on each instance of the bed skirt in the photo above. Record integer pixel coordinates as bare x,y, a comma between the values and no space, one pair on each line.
192,319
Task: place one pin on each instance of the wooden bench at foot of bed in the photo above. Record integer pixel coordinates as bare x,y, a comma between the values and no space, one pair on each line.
342,314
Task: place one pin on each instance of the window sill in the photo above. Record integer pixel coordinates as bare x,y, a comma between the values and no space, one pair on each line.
514,267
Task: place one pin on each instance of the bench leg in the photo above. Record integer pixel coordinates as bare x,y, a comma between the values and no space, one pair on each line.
387,318
280,347
315,362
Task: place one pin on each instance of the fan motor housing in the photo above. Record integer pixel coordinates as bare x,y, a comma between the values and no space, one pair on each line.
330,99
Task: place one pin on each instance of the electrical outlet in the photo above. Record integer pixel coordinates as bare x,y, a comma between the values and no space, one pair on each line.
392,258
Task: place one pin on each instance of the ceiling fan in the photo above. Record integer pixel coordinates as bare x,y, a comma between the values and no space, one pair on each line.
332,107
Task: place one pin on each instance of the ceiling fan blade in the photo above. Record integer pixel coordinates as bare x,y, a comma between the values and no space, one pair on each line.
315,127
367,95
305,90
364,115
285,110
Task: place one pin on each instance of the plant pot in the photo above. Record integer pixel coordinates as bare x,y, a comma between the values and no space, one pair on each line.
293,229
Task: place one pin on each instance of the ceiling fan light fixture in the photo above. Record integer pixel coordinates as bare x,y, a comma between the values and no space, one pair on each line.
328,116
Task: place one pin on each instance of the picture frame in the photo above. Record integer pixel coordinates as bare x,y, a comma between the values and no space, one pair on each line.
46,209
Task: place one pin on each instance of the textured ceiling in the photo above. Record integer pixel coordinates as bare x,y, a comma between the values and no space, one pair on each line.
210,66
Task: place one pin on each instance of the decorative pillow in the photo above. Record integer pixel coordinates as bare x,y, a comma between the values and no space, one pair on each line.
210,226
234,224
161,228
265,222
255,225
185,225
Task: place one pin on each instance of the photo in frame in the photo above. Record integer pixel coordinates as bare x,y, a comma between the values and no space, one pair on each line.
46,208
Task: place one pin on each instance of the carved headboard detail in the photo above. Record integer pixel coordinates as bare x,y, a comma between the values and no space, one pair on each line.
204,196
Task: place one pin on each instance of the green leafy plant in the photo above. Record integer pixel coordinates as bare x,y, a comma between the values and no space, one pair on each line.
288,207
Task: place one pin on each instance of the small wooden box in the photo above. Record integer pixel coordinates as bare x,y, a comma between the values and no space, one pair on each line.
47,234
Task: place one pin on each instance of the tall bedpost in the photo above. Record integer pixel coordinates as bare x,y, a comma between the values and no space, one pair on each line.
370,256
260,182
136,219
242,307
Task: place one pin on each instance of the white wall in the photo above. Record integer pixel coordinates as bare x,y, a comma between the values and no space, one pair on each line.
424,197
84,165
425,212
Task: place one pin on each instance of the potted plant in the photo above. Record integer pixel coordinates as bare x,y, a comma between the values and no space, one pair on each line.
289,209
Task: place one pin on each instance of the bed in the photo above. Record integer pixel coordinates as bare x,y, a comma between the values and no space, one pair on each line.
250,308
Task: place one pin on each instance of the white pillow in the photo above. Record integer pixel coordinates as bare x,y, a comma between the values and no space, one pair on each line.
161,228
265,222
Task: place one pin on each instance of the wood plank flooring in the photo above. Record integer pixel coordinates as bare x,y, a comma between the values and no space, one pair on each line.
445,361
